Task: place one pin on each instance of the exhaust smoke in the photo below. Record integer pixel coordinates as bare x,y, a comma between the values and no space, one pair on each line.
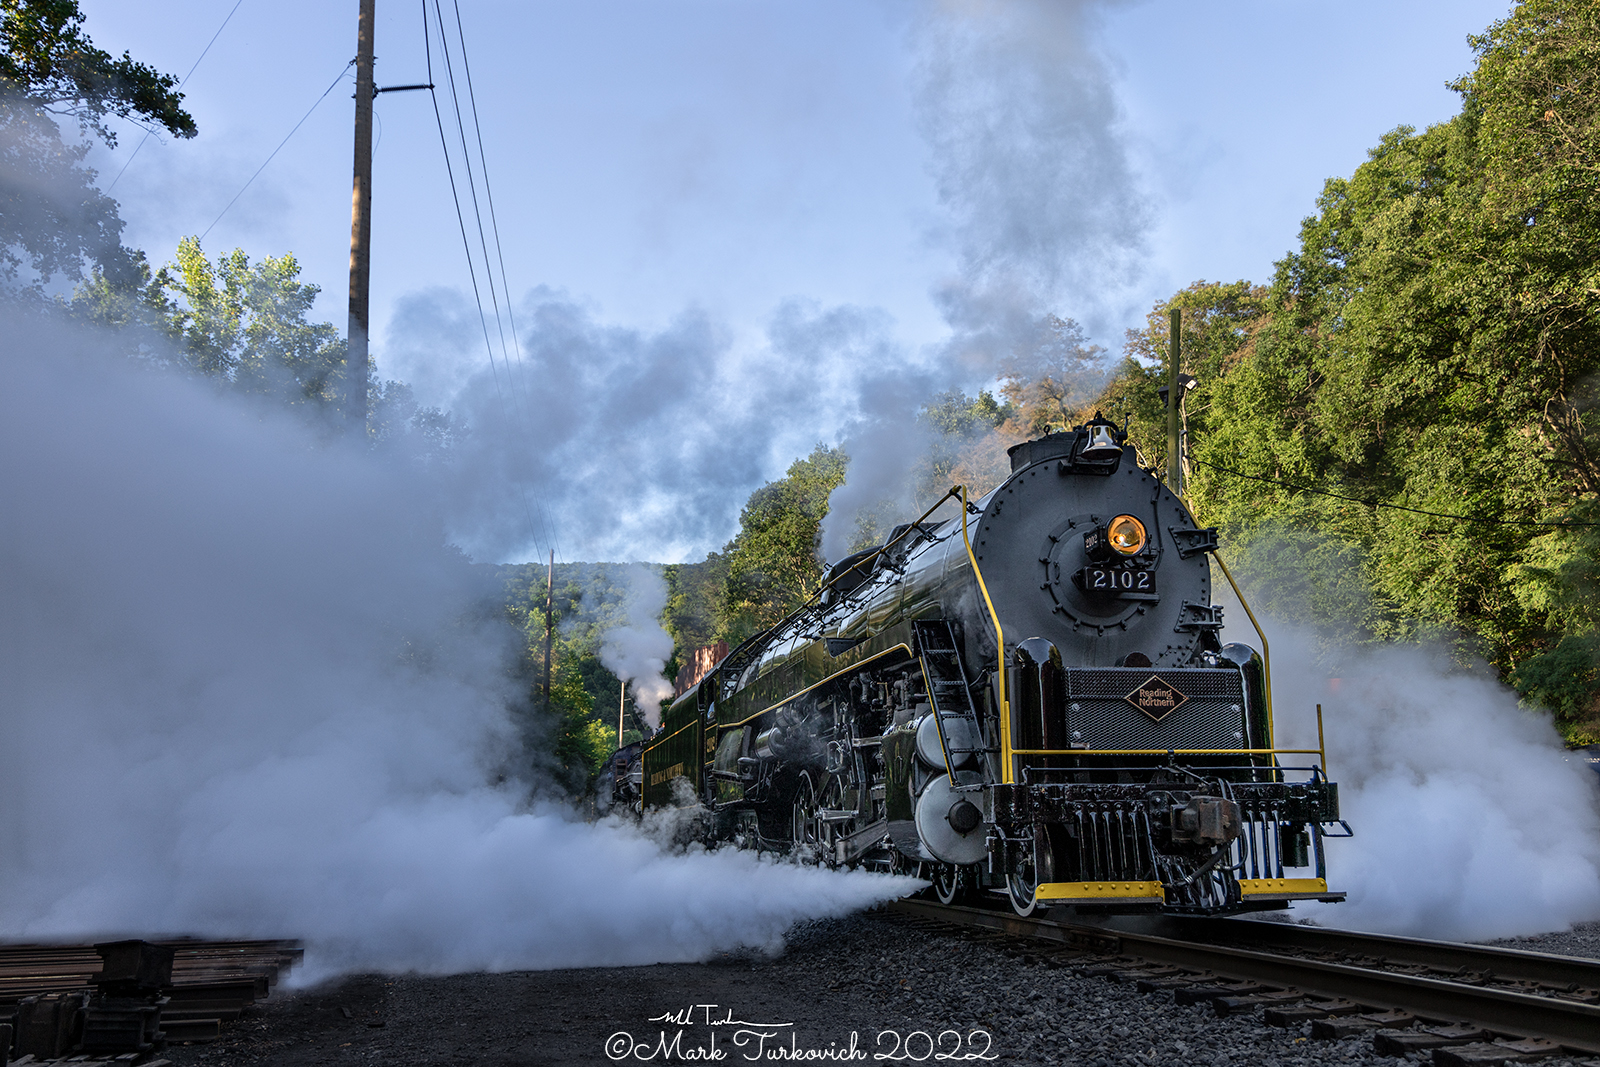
1470,821
249,695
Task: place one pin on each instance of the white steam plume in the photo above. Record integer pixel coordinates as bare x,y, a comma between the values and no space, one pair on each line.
247,694
681,423
638,650
1045,212
1470,822
1018,107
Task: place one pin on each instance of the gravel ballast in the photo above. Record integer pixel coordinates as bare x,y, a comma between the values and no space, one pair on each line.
1582,940
865,984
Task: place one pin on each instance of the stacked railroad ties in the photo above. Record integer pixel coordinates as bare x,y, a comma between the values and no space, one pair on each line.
1469,1005
126,1000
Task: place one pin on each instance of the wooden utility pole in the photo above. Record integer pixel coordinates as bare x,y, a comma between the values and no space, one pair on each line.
1174,398
549,624
622,697
355,367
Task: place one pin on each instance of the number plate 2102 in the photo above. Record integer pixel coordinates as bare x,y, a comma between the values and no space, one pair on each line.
1123,583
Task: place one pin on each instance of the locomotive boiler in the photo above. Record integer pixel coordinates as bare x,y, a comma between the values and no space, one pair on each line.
1030,697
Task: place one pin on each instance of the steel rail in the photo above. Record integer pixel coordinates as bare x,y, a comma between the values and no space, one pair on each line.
1503,963
1570,1023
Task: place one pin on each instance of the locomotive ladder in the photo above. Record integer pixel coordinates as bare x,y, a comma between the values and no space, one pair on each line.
948,692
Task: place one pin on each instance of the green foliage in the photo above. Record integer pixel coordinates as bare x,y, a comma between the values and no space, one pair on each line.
955,414
247,324
1433,343
1564,679
1047,380
247,327
49,62
694,604
52,217
570,736
960,423
772,563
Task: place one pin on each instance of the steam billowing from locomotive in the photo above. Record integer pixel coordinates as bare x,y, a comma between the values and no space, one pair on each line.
248,694
637,650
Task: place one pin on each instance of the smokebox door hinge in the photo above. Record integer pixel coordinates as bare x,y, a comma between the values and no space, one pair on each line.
1193,542
1193,617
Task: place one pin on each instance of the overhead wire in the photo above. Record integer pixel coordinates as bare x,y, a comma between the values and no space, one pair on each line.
494,221
494,225
342,72
181,84
472,270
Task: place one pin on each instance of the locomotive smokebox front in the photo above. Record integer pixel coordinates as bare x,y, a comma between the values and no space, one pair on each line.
1086,550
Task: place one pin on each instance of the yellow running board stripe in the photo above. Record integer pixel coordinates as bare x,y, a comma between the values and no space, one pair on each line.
1076,892
1283,888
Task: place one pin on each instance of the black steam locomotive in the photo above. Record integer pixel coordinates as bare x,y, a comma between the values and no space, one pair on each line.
1031,697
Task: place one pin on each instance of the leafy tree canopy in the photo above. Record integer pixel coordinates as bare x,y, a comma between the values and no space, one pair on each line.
772,562
53,218
50,63
1433,343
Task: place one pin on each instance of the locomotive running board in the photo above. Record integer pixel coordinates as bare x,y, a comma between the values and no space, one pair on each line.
948,692
1263,889
1100,892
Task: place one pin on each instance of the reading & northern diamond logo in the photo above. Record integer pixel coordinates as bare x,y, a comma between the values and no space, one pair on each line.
1157,698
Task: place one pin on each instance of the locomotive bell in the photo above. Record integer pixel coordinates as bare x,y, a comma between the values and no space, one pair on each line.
1102,445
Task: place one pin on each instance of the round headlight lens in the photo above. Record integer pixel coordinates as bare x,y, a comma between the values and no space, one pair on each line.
1126,534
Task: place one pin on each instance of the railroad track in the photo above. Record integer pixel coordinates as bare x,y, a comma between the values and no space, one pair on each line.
1469,1004
126,1000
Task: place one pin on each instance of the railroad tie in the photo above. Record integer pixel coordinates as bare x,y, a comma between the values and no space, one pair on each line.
1149,973
1105,968
1400,1042
1489,1053
1310,1011
1335,1028
1200,994
1250,1001
1177,981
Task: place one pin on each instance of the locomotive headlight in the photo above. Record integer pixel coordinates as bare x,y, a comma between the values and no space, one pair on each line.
1126,535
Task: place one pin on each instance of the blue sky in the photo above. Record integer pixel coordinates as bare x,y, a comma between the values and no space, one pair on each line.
723,160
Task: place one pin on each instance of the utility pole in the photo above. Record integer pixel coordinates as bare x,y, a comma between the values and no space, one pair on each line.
549,624
622,696
355,366
1174,398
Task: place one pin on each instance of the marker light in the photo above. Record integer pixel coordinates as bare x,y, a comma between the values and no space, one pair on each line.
1126,534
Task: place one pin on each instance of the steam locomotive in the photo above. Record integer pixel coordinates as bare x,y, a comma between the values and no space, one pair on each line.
1030,698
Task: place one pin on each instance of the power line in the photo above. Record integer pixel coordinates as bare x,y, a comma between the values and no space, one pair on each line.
477,295
281,143
1373,502
181,84
494,225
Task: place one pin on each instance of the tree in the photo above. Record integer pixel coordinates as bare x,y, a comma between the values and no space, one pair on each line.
247,324
1048,379
1432,344
773,565
50,210
49,63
